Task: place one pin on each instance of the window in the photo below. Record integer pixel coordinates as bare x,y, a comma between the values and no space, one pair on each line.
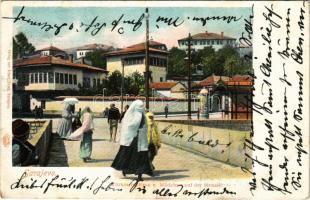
221,41
40,78
195,42
31,78
74,79
161,79
94,82
50,77
57,77
61,78
44,77
212,42
208,42
70,79
66,79
36,77
218,42
98,81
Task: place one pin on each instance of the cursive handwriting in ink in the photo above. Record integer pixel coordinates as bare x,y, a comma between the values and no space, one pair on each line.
298,112
204,20
207,191
169,21
209,142
117,23
106,185
43,25
166,192
95,26
134,184
298,52
246,39
286,53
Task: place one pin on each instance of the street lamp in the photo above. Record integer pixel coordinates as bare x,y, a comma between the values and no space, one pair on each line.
103,89
122,86
205,92
189,76
147,66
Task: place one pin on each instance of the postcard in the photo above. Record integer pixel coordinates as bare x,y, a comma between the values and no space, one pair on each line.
154,99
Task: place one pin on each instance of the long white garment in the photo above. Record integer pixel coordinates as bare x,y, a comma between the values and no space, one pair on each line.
87,124
130,126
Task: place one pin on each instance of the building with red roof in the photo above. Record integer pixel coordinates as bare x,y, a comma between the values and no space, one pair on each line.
171,89
205,39
50,73
133,59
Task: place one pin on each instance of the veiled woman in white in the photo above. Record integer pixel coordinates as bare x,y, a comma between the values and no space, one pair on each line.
65,124
132,157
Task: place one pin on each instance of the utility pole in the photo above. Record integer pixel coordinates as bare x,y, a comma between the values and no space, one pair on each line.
122,86
189,74
147,66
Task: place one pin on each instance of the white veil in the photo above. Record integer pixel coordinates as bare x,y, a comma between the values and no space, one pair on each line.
131,122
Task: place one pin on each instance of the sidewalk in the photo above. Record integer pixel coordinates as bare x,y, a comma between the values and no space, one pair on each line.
171,163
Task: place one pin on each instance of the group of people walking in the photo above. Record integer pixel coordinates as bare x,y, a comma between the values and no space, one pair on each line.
139,136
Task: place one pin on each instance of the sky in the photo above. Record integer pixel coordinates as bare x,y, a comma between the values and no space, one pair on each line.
164,33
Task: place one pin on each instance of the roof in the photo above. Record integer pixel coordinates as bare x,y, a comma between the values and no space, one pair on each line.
136,48
240,80
94,46
163,85
53,60
212,80
151,43
50,48
209,36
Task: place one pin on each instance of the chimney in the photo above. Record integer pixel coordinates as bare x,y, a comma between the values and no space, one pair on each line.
222,34
71,58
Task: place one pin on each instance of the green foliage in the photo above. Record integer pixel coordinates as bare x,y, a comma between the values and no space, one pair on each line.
176,62
225,61
21,46
97,59
114,83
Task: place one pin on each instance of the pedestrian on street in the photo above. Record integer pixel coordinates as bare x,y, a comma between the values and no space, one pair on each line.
105,112
23,153
85,133
113,118
153,137
132,157
65,126
166,111
123,113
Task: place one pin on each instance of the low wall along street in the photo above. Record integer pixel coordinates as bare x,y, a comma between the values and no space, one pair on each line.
222,140
99,105
40,138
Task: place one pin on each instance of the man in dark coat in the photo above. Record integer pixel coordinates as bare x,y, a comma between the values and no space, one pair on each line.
113,118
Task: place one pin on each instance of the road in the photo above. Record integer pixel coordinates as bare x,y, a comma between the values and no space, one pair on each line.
171,163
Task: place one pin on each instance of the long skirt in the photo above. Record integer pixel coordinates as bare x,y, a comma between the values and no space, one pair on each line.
130,161
86,144
65,127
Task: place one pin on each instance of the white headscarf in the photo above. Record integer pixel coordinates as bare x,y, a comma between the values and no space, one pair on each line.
131,125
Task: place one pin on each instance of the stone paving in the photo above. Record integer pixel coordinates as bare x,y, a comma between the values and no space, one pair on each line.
171,163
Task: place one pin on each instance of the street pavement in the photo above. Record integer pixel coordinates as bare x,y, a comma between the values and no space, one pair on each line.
171,163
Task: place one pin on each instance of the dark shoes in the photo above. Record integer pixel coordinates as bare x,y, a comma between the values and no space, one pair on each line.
86,159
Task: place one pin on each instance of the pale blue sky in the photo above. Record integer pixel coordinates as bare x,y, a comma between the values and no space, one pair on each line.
165,34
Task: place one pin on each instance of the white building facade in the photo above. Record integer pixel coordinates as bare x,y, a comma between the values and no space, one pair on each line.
206,39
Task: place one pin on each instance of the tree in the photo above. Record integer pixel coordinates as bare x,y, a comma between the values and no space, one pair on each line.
176,62
136,86
97,59
114,83
21,46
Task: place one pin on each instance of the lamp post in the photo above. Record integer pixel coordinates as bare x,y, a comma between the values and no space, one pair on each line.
122,86
147,66
103,89
189,75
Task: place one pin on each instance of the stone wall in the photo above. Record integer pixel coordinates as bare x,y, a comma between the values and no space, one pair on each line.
221,140
41,139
